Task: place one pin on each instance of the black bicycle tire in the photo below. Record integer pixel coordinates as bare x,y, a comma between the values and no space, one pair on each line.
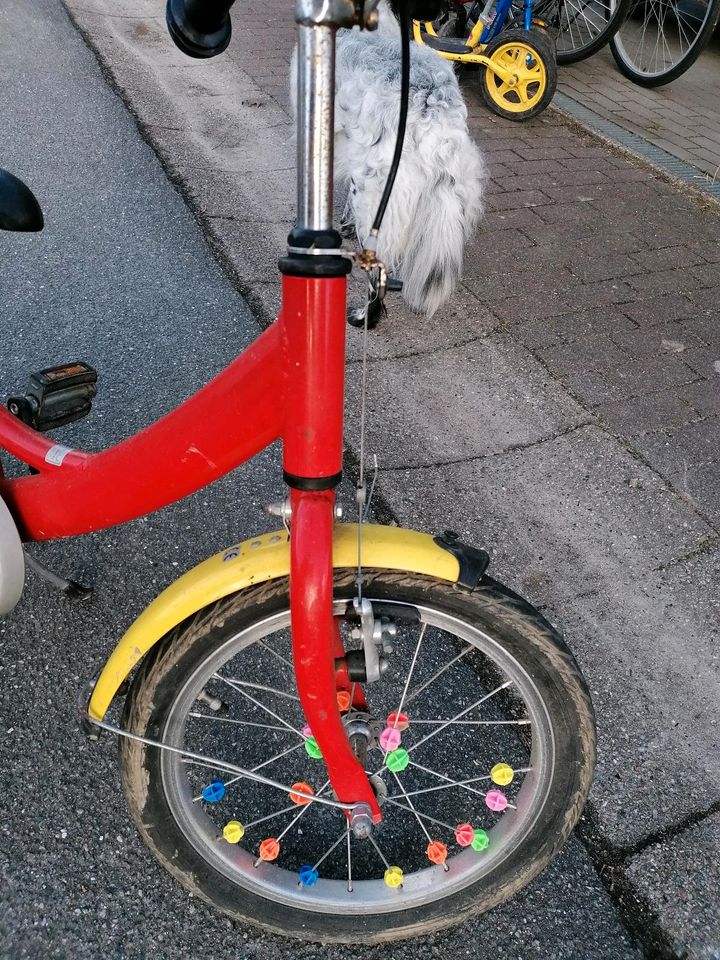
703,38
491,605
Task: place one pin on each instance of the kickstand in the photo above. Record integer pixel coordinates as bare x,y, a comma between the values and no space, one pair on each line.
71,589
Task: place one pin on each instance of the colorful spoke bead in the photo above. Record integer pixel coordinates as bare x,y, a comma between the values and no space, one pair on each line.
312,749
502,774
343,701
397,760
480,841
437,852
464,834
306,731
269,849
304,788
496,800
390,739
402,721
393,877
233,831
214,791
308,876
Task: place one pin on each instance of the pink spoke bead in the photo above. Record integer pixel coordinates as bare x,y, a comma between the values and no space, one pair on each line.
496,800
390,739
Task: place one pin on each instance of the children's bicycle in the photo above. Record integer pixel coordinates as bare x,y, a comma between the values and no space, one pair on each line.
579,27
337,731
516,55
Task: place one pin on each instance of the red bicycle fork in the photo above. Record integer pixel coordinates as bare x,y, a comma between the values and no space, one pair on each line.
314,319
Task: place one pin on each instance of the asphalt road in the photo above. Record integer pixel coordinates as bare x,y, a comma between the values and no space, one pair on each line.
123,278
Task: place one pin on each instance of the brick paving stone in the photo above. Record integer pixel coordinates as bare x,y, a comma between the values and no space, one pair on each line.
705,401
708,274
651,343
604,268
556,331
638,377
598,353
668,257
666,281
678,452
515,199
657,411
706,362
664,309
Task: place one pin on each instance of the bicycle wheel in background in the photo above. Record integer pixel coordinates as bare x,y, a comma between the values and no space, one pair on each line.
581,27
661,39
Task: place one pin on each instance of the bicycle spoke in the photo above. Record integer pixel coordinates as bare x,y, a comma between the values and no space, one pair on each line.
277,655
259,686
243,723
260,766
349,864
418,690
462,713
345,833
410,673
412,808
474,723
270,816
262,706
454,783
425,816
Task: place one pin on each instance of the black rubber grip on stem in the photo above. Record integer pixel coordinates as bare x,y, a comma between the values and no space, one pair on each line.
200,28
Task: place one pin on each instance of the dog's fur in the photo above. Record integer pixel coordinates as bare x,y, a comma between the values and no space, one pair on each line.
437,199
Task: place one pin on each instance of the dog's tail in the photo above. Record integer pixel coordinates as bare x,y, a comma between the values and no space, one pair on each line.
427,237
433,256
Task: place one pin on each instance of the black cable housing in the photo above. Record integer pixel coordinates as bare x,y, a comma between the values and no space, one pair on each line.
404,17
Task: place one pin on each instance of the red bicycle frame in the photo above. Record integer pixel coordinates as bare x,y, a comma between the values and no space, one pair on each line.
288,385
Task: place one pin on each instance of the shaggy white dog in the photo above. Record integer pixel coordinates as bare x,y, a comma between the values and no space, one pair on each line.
438,194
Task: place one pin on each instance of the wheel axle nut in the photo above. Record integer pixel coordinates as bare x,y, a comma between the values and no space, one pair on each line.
361,821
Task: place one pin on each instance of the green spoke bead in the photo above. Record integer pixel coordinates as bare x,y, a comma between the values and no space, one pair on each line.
397,760
312,748
481,841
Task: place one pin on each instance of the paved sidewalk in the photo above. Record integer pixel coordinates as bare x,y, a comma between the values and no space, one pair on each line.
682,117
579,367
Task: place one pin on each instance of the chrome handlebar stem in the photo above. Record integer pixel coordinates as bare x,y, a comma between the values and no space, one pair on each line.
318,22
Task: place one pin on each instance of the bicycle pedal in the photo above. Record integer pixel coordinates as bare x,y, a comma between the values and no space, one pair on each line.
56,396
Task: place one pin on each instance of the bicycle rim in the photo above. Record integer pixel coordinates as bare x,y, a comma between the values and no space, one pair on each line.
661,39
509,725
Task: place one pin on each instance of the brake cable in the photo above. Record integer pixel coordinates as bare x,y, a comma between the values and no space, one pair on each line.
368,260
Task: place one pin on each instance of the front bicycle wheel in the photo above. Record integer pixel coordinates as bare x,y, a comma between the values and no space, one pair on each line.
478,739
661,39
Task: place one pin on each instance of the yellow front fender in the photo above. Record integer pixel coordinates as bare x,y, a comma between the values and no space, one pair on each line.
264,558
